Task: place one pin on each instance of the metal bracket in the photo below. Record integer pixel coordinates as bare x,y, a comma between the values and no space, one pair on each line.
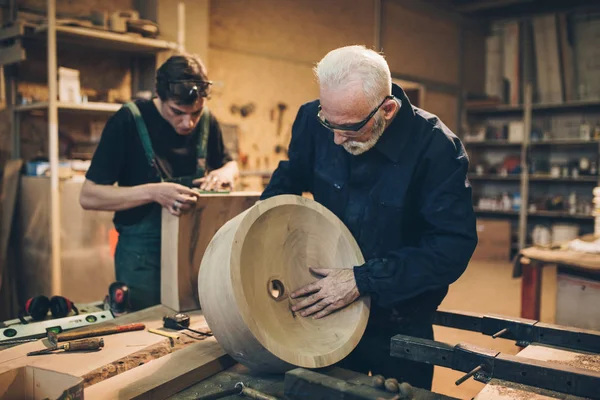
523,331
493,364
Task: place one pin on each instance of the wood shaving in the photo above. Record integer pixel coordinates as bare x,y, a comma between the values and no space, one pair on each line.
590,362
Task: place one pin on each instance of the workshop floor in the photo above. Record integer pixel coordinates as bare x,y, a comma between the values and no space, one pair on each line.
486,287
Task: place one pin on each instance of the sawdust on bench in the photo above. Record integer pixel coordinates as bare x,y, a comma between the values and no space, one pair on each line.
141,357
516,391
590,362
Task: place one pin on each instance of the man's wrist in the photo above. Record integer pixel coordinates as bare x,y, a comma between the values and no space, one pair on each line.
232,167
148,192
361,276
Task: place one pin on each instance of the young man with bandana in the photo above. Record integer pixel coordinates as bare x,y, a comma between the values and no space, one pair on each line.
156,151
396,176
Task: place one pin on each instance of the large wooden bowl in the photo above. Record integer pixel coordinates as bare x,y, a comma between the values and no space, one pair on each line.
252,265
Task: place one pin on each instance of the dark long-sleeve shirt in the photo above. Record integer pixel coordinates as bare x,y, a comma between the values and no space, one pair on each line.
407,201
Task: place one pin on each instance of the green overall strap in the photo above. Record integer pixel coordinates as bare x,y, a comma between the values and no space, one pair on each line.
143,133
203,140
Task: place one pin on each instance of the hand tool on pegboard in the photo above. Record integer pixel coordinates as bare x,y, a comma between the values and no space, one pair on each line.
281,107
91,344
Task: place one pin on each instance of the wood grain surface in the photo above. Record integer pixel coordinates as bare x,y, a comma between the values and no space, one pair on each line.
184,240
94,365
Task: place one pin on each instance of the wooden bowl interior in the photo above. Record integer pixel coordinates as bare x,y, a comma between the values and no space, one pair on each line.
274,261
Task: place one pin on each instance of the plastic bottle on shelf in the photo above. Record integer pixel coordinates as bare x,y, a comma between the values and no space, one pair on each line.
585,130
516,201
572,203
506,203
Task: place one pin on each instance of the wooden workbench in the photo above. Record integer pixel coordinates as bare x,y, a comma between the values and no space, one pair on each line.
144,365
529,265
135,364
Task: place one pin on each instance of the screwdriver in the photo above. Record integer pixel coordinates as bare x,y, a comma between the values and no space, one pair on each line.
75,345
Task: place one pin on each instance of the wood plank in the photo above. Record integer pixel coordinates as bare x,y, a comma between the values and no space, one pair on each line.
498,389
12,31
165,376
12,54
184,240
10,184
511,60
531,285
127,363
134,360
567,59
116,346
590,362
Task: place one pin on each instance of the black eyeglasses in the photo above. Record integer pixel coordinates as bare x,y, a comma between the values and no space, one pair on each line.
350,127
189,89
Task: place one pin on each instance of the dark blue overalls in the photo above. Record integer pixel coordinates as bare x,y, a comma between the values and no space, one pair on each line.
137,256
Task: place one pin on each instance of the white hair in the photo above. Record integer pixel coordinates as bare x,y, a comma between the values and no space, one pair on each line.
347,64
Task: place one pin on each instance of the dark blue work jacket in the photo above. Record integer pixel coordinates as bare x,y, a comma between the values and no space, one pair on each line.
407,202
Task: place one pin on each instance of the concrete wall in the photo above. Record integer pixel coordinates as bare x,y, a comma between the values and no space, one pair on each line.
262,52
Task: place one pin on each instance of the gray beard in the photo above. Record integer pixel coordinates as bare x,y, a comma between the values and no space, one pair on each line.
357,148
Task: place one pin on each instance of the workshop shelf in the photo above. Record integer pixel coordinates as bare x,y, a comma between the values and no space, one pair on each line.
541,214
92,37
527,149
83,107
35,38
541,107
535,143
492,143
533,178
495,177
563,142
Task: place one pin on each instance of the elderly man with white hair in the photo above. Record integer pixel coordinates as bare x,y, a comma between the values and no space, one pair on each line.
397,177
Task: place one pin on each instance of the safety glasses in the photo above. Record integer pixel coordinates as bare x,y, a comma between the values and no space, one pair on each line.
350,130
189,89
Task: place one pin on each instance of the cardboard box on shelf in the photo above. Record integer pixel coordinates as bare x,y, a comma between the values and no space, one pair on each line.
494,240
42,168
35,383
69,88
